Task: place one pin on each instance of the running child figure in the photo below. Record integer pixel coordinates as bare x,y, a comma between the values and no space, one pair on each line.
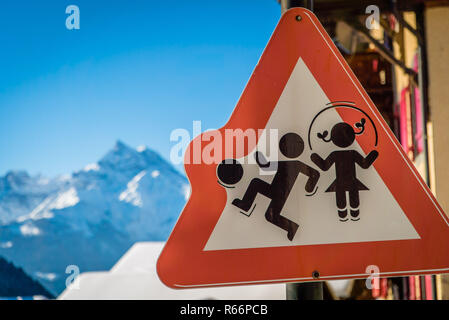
291,146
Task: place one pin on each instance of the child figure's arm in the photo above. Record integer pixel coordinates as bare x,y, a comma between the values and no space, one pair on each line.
365,163
321,163
313,175
259,156
264,164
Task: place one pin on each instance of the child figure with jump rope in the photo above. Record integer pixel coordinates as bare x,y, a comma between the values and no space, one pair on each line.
343,135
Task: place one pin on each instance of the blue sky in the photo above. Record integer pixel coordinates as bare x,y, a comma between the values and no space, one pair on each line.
134,71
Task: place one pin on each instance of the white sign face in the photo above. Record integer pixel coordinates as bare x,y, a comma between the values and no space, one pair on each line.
380,217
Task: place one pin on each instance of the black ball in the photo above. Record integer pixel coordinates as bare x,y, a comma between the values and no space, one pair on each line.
229,171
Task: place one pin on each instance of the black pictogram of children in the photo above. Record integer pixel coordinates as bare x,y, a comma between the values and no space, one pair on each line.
291,146
343,135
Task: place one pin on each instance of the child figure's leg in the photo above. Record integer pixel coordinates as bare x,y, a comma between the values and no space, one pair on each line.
341,204
354,202
273,215
256,186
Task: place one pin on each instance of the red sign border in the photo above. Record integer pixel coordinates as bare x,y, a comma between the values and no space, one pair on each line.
184,264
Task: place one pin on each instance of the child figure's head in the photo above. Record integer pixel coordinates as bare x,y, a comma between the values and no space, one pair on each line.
342,134
229,171
291,145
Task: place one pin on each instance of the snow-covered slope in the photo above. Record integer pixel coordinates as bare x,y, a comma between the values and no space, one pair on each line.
90,218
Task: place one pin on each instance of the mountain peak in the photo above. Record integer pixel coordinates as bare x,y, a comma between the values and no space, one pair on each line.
120,145
15,179
121,157
17,174
124,158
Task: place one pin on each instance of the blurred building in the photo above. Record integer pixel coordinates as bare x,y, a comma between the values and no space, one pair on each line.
402,61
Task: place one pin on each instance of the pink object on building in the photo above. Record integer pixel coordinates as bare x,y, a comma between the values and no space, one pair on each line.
429,288
403,120
404,115
412,288
419,113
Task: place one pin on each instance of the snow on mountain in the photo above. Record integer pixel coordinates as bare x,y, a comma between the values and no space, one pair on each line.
21,193
90,218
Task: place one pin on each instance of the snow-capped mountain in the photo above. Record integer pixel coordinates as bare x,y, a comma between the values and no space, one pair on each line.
90,218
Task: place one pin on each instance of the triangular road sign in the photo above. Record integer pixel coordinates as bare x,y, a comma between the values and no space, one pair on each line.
334,197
